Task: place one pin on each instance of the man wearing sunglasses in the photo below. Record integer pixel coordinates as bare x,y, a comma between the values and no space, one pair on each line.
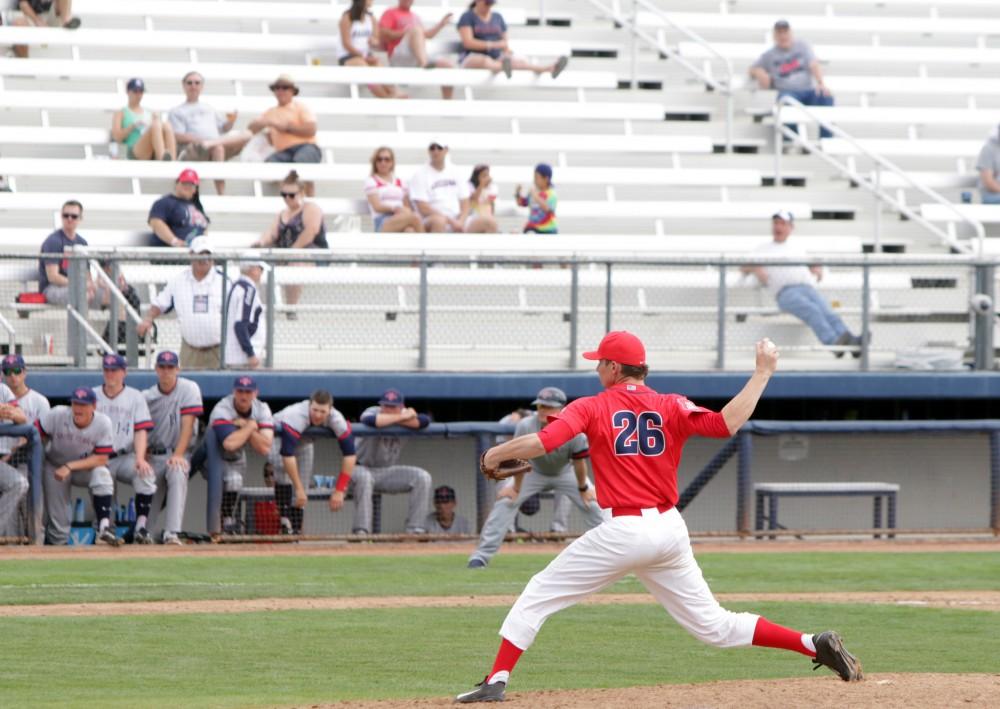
203,132
53,272
18,404
291,127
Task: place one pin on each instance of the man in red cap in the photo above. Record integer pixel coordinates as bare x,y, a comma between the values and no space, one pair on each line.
178,218
636,438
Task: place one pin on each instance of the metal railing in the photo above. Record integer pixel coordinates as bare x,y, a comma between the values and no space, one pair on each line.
782,131
691,305
631,23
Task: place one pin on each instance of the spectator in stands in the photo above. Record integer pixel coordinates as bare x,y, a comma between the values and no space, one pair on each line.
144,136
291,127
246,337
405,39
442,197
378,470
359,34
444,519
541,201
177,219
298,226
196,295
483,196
988,165
791,69
38,13
53,273
484,43
388,199
203,133
793,287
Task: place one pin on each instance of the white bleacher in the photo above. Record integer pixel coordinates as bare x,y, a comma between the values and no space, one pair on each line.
870,55
850,116
760,24
985,213
892,147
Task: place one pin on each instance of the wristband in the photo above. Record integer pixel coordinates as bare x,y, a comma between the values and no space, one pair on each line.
584,488
343,480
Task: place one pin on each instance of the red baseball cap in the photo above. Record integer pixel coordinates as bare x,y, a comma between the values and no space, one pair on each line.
622,347
189,175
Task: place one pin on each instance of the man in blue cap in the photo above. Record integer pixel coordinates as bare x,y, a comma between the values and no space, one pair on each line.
378,469
239,419
18,404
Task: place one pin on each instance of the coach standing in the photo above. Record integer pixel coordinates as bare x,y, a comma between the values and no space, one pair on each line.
196,294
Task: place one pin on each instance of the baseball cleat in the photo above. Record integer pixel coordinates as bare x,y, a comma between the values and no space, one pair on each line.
484,693
142,536
108,537
476,564
831,653
172,538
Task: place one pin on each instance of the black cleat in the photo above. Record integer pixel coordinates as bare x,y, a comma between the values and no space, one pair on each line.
484,693
142,536
831,653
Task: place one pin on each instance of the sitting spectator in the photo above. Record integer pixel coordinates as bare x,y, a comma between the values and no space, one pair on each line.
791,69
145,137
444,520
358,36
988,165
388,200
484,43
53,273
793,287
246,323
483,195
32,12
291,127
177,219
202,132
405,40
195,294
442,197
378,470
298,226
541,200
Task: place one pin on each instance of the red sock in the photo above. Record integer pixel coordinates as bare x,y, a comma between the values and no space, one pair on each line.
507,657
767,634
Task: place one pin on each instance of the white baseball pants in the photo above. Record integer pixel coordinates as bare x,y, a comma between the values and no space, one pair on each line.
656,548
172,483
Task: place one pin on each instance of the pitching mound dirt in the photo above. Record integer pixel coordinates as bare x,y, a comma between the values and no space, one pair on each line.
882,691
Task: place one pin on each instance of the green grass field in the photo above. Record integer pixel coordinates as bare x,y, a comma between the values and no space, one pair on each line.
288,657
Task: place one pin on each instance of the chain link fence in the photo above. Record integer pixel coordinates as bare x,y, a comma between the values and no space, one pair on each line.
321,310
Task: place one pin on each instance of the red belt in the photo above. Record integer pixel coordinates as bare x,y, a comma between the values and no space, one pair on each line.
636,511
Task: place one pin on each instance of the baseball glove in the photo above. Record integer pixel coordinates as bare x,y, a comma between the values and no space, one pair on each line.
506,469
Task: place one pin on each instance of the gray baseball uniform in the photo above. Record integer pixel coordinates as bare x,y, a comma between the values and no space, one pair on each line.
292,421
552,471
13,473
377,471
459,525
167,411
67,443
234,464
129,413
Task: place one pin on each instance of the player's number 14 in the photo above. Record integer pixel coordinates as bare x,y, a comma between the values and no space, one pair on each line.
638,434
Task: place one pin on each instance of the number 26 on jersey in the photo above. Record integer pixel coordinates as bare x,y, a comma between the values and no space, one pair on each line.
638,434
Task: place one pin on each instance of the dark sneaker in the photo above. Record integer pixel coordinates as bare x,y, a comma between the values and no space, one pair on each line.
560,65
476,564
830,652
142,536
507,67
73,24
845,340
484,693
858,342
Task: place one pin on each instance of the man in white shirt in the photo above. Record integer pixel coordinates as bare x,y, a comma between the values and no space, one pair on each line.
196,294
246,336
441,196
793,287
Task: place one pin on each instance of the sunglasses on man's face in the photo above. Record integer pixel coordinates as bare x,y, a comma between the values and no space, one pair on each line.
436,147
192,83
14,370
289,195
67,215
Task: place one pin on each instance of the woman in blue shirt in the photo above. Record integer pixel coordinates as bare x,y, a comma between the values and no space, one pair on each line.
484,43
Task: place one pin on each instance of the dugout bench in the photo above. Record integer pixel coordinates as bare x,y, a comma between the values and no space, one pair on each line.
248,509
770,492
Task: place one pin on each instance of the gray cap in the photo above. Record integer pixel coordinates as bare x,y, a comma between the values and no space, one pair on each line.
782,25
550,396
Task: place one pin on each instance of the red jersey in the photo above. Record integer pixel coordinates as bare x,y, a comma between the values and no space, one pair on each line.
636,439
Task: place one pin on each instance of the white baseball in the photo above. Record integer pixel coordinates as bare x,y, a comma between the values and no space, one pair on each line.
769,346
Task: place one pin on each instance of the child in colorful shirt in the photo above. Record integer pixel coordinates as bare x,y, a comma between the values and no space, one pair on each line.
542,201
